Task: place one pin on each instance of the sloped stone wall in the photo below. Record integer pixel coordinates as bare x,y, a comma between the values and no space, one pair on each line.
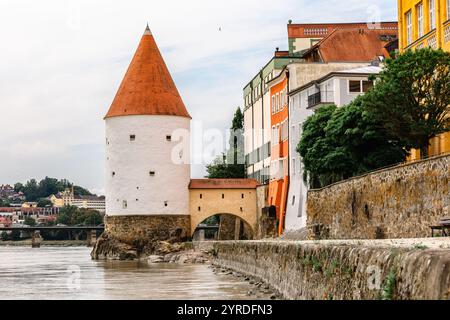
400,202
321,271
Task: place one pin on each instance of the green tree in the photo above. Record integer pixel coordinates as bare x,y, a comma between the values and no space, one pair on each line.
44,202
71,216
231,165
360,142
4,203
339,143
30,222
31,190
18,187
4,236
92,218
314,146
412,97
79,191
67,215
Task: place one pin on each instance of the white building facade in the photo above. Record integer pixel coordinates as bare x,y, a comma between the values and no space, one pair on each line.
334,83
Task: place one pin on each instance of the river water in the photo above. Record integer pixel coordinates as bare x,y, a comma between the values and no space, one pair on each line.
69,273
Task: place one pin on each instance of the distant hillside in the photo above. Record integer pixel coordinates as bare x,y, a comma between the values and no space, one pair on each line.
34,190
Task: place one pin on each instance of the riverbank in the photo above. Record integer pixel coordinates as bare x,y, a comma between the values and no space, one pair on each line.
403,269
45,243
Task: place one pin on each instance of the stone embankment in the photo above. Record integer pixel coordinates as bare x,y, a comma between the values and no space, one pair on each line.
341,270
399,202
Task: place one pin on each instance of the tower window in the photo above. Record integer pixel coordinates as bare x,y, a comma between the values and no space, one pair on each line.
242,209
124,204
152,173
169,138
132,137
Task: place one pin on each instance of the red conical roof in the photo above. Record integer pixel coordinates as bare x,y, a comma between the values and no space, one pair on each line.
147,88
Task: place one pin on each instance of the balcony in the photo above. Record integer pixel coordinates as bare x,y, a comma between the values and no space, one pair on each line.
321,97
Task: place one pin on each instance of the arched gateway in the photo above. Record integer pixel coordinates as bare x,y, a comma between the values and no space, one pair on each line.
231,197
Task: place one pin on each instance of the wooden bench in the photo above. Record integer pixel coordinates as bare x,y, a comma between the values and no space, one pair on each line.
443,226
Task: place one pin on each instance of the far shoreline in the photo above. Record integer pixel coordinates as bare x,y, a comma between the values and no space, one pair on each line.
48,243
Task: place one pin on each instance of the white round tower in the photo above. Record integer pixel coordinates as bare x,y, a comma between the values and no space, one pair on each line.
147,152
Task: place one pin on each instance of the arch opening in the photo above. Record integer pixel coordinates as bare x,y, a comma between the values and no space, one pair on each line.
223,226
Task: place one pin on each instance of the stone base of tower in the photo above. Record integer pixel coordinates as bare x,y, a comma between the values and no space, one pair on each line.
133,237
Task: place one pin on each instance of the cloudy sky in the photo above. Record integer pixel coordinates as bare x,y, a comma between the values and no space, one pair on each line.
61,62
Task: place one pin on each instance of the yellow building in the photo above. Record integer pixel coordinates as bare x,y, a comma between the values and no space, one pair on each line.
426,23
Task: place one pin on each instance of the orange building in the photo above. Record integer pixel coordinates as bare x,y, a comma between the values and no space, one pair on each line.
279,165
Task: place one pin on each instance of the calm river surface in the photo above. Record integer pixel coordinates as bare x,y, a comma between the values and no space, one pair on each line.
69,273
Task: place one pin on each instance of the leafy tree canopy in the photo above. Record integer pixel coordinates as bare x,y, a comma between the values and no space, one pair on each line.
231,164
72,216
34,190
339,143
412,97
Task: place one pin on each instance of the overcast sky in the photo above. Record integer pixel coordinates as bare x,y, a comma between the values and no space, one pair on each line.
62,61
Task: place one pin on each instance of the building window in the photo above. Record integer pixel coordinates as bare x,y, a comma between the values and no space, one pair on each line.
354,86
293,200
132,137
367,85
124,204
432,12
408,19
448,9
169,138
201,196
152,173
113,173
420,29
242,209
223,196
199,208
166,203
242,196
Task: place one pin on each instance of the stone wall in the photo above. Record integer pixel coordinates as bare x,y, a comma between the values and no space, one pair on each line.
129,228
321,271
400,202
130,237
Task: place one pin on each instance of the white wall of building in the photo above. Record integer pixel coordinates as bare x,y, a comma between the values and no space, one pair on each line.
296,202
333,90
130,189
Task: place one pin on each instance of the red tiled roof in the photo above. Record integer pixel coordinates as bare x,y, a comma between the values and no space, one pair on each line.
311,30
147,88
353,45
223,184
